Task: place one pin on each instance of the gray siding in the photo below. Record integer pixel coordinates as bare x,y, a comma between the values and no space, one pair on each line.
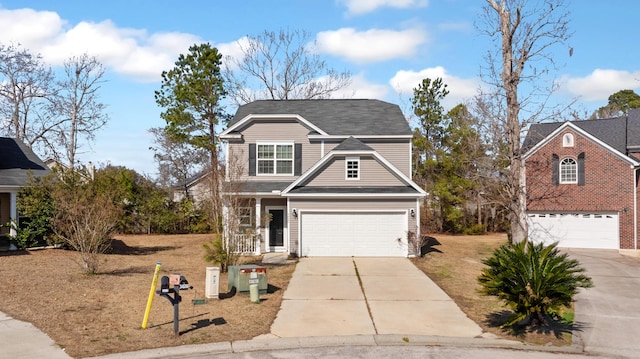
274,131
372,173
336,204
397,152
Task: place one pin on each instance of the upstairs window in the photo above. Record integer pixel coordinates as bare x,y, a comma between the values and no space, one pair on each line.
275,159
568,171
567,140
352,168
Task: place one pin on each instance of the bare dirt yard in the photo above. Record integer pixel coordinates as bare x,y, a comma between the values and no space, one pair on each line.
91,315
455,263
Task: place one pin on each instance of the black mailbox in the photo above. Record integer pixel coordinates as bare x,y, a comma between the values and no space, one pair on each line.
164,285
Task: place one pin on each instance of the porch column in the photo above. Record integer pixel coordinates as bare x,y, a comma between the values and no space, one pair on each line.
13,212
258,225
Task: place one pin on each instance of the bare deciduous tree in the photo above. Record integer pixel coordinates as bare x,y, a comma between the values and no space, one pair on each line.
177,161
281,66
77,104
524,33
26,85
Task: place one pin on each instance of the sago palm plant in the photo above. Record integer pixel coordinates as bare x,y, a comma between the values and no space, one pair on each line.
532,279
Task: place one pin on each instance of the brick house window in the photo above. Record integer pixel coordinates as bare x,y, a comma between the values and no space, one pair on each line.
352,168
568,171
567,140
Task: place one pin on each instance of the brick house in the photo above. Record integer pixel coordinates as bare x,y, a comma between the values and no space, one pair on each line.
582,182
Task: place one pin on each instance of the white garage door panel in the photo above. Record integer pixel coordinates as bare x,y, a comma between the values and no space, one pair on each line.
353,234
576,230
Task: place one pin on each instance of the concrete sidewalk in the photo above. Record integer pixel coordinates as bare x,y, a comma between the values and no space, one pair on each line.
23,340
367,296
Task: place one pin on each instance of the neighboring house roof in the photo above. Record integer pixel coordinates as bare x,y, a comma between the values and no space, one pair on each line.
620,134
18,162
351,117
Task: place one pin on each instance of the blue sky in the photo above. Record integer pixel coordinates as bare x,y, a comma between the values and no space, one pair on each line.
387,45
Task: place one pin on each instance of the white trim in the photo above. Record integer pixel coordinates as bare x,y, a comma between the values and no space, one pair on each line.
575,165
343,137
226,162
13,213
321,148
566,125
635,210
417,220
568,140
411,159
347,169
275,160
251,117
374,154
285,230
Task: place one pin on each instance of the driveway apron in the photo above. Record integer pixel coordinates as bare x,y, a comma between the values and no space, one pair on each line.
358,296
609,313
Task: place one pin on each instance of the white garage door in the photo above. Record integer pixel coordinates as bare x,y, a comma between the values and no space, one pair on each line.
575,230
371,234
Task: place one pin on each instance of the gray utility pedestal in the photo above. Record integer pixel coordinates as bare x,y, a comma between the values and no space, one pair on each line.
239,278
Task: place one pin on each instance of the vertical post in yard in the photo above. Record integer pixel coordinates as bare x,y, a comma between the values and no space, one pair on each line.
154,282
176,309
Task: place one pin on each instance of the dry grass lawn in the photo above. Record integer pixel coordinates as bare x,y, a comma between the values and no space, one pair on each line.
455,265
92,315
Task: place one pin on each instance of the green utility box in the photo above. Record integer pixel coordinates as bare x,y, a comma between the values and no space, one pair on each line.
239,278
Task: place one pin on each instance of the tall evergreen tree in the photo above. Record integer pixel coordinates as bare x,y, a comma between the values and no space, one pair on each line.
190,95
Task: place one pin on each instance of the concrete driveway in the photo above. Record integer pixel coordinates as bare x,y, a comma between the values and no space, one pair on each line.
610,311
330,296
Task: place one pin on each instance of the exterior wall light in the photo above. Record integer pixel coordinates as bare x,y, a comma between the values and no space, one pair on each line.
412,212
295,212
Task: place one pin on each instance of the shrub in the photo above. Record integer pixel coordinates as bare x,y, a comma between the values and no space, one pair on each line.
219,252
532,279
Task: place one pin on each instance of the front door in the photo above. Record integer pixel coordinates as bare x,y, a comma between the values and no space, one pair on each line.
276,228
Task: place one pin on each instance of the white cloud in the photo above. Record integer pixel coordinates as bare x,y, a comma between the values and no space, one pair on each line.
28,27
460,89
131,52
371,45
359,7
361,88
600,84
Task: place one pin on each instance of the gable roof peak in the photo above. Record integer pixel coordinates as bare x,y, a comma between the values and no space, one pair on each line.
353,117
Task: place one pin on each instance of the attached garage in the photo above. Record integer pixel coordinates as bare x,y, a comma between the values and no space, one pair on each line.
576,230
343,234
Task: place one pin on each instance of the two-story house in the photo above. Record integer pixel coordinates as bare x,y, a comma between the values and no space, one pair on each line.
582,182
333,177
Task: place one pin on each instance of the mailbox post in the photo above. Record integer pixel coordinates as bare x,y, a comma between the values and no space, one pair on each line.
179,283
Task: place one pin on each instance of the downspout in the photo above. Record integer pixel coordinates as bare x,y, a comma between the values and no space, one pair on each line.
635,209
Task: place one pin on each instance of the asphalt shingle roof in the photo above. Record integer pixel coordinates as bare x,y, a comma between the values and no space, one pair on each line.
353,117
352,144
17,162
618,133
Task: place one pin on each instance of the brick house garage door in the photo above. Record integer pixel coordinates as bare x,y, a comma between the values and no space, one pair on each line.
364,234
576,230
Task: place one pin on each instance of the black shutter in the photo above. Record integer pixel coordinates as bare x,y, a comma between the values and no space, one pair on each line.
252,159
297,163
581,169
555,169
